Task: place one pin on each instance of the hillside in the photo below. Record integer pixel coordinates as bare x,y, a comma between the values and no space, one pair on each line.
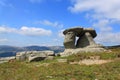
6,51
112,47
55,70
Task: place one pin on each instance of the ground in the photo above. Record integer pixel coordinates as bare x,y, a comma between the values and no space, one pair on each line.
54,70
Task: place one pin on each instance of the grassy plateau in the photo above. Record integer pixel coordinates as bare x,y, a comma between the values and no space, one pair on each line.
54,70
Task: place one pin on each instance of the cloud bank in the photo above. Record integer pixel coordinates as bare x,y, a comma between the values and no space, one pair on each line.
24,30
49,23
103,14
3,40
99,8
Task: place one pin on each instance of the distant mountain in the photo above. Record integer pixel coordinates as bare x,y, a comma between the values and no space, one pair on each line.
10,48
6,51
56,49
36,48
115,46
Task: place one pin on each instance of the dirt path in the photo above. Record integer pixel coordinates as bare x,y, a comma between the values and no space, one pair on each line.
91,62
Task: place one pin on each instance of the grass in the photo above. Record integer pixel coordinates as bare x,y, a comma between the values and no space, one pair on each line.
102,55
52,70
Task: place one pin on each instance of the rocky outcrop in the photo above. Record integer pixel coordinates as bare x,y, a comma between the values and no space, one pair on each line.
85,42
34,55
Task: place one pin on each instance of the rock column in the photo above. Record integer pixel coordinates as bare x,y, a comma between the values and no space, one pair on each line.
69,41
85,40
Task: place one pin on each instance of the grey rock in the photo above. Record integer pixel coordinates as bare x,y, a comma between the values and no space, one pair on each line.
69,41
76,30
85,42
85,35
21,56
91,31
68,52
36,57
33,55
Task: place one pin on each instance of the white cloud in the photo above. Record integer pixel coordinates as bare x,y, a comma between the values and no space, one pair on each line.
103,25
32,31
103,14
108,38
24,30
49,23
106,35
3,40
4,29
102,8
60,33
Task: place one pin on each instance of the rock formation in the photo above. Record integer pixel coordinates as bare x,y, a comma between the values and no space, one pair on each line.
85,42
34,55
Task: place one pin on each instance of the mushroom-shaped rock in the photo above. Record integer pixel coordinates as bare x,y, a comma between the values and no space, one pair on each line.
85,42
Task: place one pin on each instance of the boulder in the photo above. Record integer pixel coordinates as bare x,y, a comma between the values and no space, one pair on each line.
69,41
21,56
36,57
33,55
85,42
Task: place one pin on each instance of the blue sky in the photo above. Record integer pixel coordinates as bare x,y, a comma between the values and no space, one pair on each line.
41,22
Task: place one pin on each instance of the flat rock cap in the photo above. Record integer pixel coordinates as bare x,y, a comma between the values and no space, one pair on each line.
91,31
76,30
79,31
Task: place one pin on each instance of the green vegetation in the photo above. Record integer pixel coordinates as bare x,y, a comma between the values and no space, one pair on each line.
53,70
113,54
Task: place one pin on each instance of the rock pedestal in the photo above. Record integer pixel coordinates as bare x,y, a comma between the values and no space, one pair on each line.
85,42
69,41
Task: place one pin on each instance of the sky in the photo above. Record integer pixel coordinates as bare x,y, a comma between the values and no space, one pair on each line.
41,22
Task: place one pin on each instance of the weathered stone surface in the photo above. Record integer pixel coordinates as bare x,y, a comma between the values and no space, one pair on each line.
68,52
85,35
91,31
76,30
69,41
33,55
36,57
85,43
21,56
85,40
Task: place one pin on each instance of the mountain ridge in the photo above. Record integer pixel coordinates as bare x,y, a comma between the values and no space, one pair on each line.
6,50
